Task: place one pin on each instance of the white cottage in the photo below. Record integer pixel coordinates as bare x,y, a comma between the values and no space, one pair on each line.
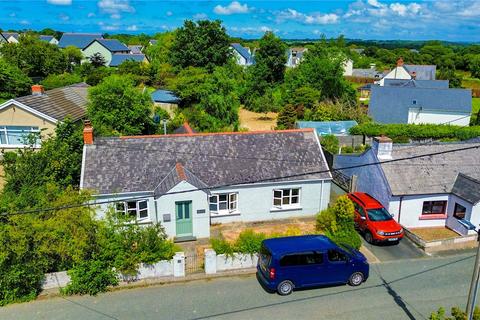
189,181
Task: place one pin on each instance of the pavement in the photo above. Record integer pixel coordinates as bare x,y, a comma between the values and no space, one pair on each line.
402,289
404,250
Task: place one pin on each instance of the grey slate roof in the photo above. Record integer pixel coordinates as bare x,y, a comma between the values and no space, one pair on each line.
467,188
119,58
129,164
433,174
112,45
422,72
7,35
438,84
46,38
79,40
391,104
135,49
367,73
176,175
60,103
243,52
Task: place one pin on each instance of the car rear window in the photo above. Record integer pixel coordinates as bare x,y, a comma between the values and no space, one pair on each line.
301,259
265,257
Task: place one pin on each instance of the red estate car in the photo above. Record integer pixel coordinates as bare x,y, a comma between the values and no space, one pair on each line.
373,220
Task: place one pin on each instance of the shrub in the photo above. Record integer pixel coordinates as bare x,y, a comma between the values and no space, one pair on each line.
249,241
457,314
222,246
60,80
330,143
91,277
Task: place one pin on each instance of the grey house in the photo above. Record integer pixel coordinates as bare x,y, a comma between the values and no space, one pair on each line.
431,191
188,181
401,101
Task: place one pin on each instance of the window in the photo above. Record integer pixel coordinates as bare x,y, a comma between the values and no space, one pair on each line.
336,256
286,197
434,207
17,135
133,209
414,102
224,203
459,211
359,209
301,259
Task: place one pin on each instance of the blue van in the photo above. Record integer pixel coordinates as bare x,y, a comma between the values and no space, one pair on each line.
304,261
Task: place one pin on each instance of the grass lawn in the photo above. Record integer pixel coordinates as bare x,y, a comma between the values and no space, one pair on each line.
475,109
2,100
434,233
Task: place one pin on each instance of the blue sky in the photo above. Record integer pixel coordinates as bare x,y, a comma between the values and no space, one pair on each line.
364,19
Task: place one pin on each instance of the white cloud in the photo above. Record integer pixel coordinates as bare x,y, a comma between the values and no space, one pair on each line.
375,3
90,14
232,8
108,27
132,28
265,29
60,2
200,16
169,13
115,16
24,22
311,18
399,8
115,6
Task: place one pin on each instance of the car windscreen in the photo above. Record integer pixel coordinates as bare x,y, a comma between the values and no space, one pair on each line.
380,214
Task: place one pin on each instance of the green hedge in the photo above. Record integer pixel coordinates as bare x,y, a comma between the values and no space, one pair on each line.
404,132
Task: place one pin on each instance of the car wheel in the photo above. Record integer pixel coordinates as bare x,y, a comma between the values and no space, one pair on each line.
368,237
285,287
356,279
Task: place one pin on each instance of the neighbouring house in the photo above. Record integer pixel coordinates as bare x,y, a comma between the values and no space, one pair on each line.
410,71
418,101
189,181
424,191
135,49
106,47
365,91
40,111
79,40
348,67
295,56
323,128
49,39
370,73
2,39
11,37
166,99
119,58
242,54
358,50
152,42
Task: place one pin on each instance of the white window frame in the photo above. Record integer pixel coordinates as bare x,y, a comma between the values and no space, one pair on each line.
5,131
137,209
286,195
231,203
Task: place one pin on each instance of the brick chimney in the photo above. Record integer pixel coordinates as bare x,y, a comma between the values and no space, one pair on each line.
87,132
383,147
37,90
400,62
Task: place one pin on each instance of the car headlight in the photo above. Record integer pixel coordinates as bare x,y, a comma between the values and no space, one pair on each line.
401,230
381,233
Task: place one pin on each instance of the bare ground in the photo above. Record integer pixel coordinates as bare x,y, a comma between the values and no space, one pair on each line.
257,121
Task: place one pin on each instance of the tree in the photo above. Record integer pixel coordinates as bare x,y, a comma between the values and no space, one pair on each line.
74,57
118,107
13,82
60,80
97,60
330,143
287,117
203,44
455,80
270,59
474,66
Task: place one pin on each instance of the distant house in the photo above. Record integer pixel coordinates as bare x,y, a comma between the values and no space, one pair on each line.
152,42
11,37
119,58
295,56
166,99
431,191
322,128
358,50
370,73
348,67
79,40
135,49
49,39
40,111
189,181
242,54
410,71
2,39
107,48
420,102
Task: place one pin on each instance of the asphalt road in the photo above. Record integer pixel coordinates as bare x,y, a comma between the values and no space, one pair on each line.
393,252
405,289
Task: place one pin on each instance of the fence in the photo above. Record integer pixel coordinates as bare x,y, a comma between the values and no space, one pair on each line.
222,262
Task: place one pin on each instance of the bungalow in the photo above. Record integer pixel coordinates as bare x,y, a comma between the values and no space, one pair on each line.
189,181
135,49
242,54
106,47
166,100
423,191
11,37
40,111
295,56
410,71
79,40
417,101
49,39
119,58
152,42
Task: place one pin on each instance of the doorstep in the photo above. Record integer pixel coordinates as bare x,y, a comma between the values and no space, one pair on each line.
184,239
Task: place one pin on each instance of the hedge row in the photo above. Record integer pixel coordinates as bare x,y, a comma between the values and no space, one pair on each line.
402,132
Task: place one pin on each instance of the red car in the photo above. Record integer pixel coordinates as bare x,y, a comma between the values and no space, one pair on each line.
373,220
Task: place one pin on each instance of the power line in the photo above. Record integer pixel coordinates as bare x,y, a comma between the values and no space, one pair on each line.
273,179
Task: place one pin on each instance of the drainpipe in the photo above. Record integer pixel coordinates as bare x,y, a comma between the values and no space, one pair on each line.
321,197
400,209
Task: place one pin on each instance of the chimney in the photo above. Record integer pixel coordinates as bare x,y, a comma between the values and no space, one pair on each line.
87,132
383,147
400,62
414,75
37,90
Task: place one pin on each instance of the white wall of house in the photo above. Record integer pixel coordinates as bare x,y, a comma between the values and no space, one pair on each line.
396,73
411,210
239,58
417,116
348,68
96,47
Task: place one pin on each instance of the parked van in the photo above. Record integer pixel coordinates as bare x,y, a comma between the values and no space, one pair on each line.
306,261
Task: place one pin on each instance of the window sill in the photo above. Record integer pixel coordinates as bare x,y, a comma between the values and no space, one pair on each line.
285,209
221,214
433,217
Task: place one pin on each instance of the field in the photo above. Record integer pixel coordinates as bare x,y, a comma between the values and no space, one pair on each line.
253,121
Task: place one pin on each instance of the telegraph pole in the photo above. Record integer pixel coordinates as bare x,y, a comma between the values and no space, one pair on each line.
472,295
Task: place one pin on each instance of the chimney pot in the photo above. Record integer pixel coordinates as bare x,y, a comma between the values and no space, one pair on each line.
87,132
383,146
37,90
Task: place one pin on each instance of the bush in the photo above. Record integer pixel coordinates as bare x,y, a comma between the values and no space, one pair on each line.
457,314
249,242
91,277
222,246
330,143
20,282
60,80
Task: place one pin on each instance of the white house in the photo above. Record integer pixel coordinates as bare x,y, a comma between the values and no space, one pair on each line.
295,56
348,67
49,39
189,181
11,37
410,71
425,191
242,54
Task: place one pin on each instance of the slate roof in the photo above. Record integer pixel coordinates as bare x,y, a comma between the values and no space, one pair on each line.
391,104
119,58
129,164
432,174
135,49
438,84
423,72
177,175
112,45
467,188
7,35
165,96
1,35
243,52
46,38
153,41
79,40
60,103
367,73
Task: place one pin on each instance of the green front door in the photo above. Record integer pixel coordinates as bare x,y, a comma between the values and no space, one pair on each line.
183,213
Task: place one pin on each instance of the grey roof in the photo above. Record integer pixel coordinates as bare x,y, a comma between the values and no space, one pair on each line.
7,35
432,174
60,103
438,84
135,49
119,58
422,72
112,45
79,40
243,52
165,96
153,41
177,175
391,104
467,188
46,38
367,73
133,164
2,37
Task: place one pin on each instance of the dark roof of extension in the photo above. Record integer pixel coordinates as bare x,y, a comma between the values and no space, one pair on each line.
112,45
467,188
135,164
422,72
79,40
60,103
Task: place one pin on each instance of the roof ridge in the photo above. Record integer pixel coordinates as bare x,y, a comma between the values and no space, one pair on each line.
468,177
